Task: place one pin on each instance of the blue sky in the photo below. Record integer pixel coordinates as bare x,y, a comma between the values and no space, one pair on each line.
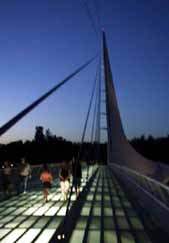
41,42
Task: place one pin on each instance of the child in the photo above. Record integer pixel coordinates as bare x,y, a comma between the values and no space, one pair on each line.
46,178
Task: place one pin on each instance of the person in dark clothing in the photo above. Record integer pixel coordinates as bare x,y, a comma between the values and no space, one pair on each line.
77,175
7,177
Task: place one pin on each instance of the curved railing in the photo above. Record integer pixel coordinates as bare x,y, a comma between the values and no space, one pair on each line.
151,195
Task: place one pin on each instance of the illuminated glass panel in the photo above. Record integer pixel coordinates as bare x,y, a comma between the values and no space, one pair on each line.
33,196
127,204
56,198
21,204
73,197
13,236
98,197
37,205
45,236
77,236
81,223
10,203
119,212
62,211
19,211
3,232
54,223
52,211
106,197
127,237
42,222
41,210
6,219
96,211
30,211
7,211
29,236
110,236
122,222
108,223
27,223
93,236
92,189
90,197
136,223
85,211
95,223
15,222
117,204
108,212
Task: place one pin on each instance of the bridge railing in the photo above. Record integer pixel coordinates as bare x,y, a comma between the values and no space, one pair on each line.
151,195
157,189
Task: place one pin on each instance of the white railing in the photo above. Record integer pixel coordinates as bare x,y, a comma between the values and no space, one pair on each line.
149,194
158,189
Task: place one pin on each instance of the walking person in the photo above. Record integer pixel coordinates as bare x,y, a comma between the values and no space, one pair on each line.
7,177
64,175
77,175
46,178
24,174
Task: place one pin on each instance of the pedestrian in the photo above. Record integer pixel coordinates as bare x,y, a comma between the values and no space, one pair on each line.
7,177
77,175
46,178
24,174
64,176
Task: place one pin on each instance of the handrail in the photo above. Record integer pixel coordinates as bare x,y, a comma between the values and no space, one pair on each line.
152,186
141,175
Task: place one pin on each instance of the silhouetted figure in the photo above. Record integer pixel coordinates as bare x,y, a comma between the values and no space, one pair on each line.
64,175
7,177
87,173
24,174
46,178
77,175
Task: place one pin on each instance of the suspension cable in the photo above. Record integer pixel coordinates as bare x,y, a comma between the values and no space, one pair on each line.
94,119
97,13
90,16
29,108
81,144
97,131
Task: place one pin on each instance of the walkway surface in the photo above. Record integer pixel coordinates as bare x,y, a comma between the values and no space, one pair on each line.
106,216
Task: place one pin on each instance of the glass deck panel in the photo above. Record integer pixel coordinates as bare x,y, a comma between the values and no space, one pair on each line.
36,222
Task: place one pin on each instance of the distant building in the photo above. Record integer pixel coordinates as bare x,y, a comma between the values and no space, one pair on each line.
39,134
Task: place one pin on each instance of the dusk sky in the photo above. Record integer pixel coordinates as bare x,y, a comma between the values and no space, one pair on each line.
41,42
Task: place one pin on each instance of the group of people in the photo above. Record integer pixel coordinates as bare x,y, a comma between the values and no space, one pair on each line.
65,173
23,174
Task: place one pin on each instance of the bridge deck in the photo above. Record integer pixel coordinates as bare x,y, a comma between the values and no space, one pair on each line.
107,214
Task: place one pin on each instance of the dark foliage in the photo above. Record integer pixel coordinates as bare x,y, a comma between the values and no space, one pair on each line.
48,148
156,149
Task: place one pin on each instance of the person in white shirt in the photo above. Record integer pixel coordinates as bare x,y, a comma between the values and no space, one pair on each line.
25,175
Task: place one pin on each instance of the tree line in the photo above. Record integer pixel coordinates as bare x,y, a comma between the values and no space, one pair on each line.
48,148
